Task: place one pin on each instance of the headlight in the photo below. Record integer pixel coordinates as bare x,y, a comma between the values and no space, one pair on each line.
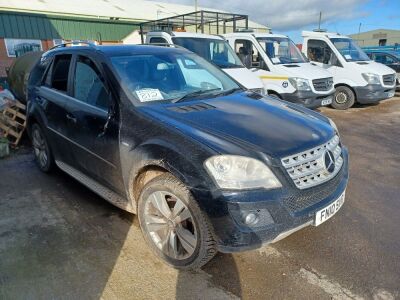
239,172
371,78
300,84
333,125
258,91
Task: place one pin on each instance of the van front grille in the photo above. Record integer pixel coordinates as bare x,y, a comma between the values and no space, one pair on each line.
389,79
323,84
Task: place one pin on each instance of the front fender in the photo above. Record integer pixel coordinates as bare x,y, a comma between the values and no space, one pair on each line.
160,153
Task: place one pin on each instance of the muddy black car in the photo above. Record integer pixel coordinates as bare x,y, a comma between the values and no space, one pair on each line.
206,165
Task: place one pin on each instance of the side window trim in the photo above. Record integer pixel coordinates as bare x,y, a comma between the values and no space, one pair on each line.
48,69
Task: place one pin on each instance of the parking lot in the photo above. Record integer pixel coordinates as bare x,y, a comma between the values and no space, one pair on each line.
60,240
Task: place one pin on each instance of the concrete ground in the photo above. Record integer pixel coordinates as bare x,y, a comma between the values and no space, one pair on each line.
59,240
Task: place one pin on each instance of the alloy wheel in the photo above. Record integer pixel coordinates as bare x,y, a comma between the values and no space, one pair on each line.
170,225
39,146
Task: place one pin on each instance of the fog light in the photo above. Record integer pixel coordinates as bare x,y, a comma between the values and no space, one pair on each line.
250,219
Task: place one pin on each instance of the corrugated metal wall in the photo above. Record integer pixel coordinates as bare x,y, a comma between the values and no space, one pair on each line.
35,26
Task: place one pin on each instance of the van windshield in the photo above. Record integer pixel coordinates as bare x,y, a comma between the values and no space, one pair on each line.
349,49
281,50
170,76
216,51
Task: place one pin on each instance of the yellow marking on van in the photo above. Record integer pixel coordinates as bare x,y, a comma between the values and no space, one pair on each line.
274,77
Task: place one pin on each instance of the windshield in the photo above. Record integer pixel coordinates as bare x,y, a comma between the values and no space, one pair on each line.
349,49
216,51
170,76
281,50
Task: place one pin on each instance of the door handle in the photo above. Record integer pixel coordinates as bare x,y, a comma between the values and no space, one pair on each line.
71,118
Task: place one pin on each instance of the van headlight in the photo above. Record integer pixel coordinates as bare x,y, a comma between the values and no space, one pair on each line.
238,172
258,91
371,78
300,84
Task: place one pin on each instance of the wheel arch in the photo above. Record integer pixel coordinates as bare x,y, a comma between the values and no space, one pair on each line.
152,160
348,86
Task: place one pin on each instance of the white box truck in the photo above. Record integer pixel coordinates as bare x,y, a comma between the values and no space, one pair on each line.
356,77
285,72
214,49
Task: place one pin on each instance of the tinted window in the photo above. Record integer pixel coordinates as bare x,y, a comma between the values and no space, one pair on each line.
37,73
384,58
318,51
158,40
88,85
58,79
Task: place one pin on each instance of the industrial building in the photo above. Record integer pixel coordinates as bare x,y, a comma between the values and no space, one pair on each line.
378,37
29,25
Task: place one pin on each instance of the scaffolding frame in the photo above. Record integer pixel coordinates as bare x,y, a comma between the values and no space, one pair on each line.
198,19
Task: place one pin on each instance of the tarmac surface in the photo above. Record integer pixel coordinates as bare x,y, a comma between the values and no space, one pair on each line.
60,240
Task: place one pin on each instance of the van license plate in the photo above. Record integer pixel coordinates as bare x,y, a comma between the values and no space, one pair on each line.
326,101
390,94
326,213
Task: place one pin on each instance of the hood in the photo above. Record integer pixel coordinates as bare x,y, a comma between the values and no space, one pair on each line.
372,67
248,121
304,70
245,77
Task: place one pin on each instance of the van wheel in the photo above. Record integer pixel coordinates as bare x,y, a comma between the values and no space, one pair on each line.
174,225
43,156
344,98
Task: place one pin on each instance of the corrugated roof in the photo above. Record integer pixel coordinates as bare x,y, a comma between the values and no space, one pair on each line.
47,27
122,9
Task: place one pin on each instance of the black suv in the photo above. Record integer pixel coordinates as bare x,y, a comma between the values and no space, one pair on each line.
206,165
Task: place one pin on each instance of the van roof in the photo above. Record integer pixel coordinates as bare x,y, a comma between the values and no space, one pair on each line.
321,34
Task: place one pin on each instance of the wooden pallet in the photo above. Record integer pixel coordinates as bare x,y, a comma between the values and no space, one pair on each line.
13,122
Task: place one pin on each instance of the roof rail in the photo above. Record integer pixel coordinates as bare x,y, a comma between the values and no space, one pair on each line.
76,43
164,45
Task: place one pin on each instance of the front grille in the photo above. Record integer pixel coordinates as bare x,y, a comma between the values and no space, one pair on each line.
306,198
315,166
323,84
389,79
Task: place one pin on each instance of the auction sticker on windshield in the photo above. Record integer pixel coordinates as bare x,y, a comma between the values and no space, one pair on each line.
329,211
146,95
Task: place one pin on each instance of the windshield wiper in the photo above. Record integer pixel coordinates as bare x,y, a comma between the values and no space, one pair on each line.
229,92
194,94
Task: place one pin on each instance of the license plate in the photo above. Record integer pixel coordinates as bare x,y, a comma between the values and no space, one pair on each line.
390,94
326,101
329,211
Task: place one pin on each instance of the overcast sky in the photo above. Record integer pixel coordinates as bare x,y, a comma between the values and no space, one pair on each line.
289,16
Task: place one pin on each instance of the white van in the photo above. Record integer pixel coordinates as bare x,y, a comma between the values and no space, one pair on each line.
356,77
285,72
214,49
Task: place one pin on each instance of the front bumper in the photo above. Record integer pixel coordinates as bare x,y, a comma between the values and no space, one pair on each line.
372,93
306,98
283,211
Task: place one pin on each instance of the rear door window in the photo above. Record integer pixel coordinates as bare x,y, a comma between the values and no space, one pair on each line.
88,84
58,78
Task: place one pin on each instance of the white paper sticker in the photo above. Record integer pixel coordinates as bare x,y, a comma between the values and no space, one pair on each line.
145,95
276,60
347,56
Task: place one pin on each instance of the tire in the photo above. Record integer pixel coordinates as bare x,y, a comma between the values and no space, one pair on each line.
43,155
344,98
275,96
190,242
